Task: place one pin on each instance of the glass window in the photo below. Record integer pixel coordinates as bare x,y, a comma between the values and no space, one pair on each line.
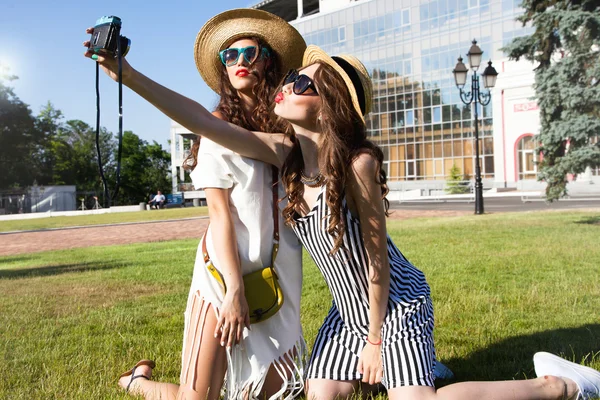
397,21
389,21
437,114
468,147
488,165
342,33
446,113
372,26
443,8
447,149
424,10
437,149
408,100
408,67
406,17
427,115
473,3
452,7
380,26
409,118
427,98
469,163
433,9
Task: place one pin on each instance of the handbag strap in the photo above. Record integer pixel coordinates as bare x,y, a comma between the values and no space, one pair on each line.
274,172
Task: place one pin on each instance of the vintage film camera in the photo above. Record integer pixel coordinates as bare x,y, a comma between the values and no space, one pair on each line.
106,33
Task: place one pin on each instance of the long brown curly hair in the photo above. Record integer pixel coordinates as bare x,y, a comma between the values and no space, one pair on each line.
230,104
344,137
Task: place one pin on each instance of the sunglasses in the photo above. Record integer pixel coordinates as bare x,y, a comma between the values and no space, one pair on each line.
231,55
301,82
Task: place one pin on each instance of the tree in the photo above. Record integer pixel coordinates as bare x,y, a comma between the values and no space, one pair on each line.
144,169
18,137
48,124
75,156
565,46
456,182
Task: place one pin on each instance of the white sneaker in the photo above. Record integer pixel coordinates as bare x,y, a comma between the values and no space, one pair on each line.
586,378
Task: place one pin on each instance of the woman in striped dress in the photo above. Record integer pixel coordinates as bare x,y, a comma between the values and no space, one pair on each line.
380,326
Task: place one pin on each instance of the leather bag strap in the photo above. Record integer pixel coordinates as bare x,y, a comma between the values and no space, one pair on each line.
275,179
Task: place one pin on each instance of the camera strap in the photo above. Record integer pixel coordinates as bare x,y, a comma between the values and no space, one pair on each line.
107,196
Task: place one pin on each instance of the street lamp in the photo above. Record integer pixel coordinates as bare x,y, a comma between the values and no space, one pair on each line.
475,96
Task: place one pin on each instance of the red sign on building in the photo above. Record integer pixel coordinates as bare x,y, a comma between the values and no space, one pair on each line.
530,106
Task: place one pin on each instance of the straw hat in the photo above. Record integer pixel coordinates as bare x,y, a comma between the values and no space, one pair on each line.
351,70
229,26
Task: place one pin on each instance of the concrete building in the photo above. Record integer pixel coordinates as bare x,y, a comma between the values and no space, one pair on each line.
410,47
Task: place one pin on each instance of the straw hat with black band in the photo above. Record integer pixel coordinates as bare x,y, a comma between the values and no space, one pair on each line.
229,26
352,71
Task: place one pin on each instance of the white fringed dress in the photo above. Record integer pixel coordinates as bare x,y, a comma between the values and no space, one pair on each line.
268,341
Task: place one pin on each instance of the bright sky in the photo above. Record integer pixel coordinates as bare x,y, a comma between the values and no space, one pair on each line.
41,42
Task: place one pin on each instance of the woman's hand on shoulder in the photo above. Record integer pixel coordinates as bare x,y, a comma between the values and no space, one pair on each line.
233,317
108,64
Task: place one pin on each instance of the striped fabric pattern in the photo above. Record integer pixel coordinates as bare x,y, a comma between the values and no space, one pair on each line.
408,351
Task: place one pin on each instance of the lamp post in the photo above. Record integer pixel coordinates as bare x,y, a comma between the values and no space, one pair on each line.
475,96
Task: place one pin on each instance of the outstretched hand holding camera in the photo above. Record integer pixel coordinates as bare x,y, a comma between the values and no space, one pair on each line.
108,63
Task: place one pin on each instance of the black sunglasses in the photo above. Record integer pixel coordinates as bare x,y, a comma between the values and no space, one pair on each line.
301,82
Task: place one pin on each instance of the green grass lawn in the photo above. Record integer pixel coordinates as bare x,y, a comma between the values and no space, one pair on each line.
100,219
504,286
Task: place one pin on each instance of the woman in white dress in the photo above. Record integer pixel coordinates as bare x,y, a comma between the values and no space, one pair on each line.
241,54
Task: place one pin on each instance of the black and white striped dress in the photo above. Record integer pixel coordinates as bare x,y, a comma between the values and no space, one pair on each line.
408,352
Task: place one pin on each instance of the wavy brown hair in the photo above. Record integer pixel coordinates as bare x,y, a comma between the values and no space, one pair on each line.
344,137
231,107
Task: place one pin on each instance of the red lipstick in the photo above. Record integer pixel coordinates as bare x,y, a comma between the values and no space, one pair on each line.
242,72
279,97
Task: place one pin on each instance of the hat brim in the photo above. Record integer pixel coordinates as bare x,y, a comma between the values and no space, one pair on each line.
229,26
315,54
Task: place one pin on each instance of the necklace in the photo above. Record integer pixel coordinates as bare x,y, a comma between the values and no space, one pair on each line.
312,181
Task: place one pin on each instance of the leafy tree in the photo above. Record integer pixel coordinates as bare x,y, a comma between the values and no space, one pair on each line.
48,124
144,169
565,46
75,156
18,137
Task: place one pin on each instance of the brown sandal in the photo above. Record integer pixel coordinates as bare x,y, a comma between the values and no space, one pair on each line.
131,372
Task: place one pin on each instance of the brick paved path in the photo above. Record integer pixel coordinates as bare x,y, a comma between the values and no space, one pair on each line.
30,242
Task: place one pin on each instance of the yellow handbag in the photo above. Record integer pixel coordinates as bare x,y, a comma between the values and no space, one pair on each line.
261,288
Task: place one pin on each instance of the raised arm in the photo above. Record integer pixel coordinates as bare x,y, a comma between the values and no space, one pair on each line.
270,148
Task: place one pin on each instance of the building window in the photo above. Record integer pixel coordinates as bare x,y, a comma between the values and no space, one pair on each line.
409,119
406,17
437,115
527,158
342,33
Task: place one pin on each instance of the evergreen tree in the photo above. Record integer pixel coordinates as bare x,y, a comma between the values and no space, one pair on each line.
456,182
565,46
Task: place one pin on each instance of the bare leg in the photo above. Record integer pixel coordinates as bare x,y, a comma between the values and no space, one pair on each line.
544,388
204,362
283,368
326,389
